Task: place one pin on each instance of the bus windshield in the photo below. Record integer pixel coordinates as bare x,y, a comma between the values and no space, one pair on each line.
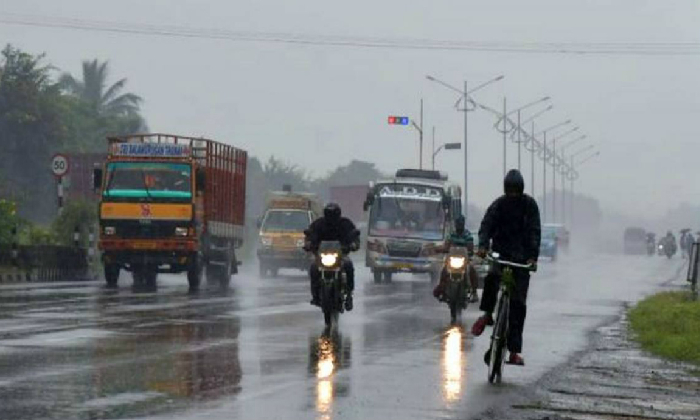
417,218
148,181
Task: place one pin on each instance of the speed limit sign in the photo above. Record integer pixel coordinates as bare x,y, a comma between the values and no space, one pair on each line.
60,165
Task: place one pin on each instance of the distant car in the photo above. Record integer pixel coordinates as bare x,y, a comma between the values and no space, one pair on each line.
549,245
562,234
635,241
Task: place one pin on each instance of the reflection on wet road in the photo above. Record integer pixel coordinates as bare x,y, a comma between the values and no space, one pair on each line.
259,350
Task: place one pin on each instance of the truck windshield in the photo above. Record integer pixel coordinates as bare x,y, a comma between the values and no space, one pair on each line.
286,221
149,181
416,218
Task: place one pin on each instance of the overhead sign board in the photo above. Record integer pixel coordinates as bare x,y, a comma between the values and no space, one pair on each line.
151,150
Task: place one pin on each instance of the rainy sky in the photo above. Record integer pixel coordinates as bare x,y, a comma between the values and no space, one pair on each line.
322,105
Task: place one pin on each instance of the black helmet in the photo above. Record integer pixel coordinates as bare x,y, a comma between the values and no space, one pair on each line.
459,224
514,182
332,212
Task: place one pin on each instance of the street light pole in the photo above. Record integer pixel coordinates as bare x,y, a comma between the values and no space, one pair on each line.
464,96
544,179
433,167
420,161
519,139
466,151
532,163
505,131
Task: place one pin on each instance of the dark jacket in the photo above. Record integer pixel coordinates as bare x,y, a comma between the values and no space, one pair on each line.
512,225
321,230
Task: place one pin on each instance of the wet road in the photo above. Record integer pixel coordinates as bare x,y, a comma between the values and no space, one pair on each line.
258,351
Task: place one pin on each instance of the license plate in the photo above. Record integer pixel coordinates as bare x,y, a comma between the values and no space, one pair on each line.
403,266
144,245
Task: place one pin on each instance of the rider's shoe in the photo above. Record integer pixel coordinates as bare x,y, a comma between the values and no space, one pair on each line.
481,324
315,301
348,302
442,297
516,359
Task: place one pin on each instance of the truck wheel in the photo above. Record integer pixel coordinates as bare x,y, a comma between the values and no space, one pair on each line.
150,276
226,273
111,275
377,276
387,276
194,273
137,274
274,271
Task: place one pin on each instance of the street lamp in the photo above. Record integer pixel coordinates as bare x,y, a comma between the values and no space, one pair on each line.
597,153
505,130
464,96
554,171
545,157
533,145
571,143
446,146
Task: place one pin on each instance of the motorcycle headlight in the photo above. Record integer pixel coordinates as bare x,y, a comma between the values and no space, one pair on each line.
110,230
181,231
266,241
457,262
300,243
329,260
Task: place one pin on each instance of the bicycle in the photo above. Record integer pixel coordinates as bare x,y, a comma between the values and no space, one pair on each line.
495,356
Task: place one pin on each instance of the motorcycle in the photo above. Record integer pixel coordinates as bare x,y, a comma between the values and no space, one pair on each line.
456,292
333,281
667,248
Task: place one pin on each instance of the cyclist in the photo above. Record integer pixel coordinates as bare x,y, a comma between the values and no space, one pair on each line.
512,227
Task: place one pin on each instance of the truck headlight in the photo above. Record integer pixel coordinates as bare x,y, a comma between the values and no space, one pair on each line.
265,241
181,231
110,230
300,243
329,260
457,263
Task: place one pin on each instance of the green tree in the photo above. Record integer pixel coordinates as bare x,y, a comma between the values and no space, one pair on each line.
77,214
8,220
93,90
32,129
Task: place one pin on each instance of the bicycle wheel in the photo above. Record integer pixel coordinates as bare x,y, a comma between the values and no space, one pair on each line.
498,340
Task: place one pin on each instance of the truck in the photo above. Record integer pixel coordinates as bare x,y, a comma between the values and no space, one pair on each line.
410,216
281,227
171,204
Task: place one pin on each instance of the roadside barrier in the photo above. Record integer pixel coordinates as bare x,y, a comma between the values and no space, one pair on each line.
694,268
43,263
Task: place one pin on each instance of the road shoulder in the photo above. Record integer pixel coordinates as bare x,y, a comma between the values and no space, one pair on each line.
612,379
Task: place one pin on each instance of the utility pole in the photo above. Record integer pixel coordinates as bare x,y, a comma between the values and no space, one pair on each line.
466,152
532,157
505,131
420,160
544,179
519,140
554,182
433,167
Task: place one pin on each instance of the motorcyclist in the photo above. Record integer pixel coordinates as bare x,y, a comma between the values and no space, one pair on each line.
332,227
670,242
461,237
512,227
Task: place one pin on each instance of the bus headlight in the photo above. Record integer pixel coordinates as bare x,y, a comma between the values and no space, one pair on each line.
110,230
457,263
329,260
181,231
265,241
300,243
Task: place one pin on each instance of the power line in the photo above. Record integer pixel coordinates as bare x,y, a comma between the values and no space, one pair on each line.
571,48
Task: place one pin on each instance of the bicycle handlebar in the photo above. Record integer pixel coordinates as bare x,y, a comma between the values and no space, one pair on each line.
529,267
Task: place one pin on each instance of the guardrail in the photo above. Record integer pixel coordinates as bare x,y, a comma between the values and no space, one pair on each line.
43,263
694,268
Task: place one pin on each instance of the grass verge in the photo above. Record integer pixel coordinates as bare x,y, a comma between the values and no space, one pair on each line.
668,325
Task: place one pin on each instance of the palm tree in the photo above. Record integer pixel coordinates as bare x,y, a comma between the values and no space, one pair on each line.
91,89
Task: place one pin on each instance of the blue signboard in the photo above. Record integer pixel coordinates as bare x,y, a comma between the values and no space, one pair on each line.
151,150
